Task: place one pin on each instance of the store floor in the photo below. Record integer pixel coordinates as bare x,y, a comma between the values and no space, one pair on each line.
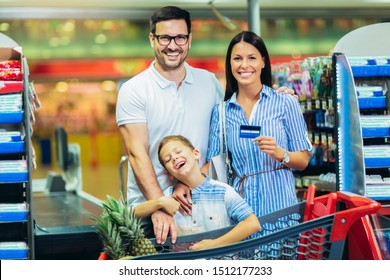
64,229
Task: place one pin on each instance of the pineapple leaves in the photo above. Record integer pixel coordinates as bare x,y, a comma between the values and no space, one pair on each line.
120,230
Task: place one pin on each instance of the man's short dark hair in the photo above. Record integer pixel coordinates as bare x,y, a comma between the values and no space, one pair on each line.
169,13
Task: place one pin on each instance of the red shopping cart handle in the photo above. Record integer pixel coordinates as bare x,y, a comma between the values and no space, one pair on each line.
357,207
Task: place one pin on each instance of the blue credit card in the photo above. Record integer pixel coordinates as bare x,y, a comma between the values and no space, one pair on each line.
249,131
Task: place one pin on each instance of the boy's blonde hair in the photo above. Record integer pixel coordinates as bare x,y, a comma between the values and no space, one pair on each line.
171,138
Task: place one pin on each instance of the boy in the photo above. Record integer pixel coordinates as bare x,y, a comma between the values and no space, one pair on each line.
214,204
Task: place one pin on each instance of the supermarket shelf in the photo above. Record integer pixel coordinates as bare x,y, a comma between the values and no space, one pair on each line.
11,117
371,71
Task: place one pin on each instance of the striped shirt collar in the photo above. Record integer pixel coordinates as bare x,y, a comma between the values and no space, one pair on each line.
266,90
204,184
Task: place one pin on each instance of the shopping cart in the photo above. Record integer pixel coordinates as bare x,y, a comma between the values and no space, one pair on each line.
381,229
314,229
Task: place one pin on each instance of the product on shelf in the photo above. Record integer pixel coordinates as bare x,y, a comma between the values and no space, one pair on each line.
16,220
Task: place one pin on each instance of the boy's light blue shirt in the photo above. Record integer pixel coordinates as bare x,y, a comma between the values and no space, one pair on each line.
214,205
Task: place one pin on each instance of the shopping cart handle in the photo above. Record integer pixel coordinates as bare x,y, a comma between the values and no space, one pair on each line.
357,207
355,200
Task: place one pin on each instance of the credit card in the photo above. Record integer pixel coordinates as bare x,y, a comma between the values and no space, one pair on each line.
249,131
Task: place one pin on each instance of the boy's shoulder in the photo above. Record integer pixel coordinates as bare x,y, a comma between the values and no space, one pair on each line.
222,186
219,183
212,186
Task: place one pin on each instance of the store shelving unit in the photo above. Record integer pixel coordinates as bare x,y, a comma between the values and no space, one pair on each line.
16,219
372,80
349,153
365,76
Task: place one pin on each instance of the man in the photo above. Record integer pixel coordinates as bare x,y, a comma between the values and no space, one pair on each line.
168,98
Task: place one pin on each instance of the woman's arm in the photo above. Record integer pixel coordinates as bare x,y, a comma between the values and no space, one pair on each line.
298,160
242,230
296,131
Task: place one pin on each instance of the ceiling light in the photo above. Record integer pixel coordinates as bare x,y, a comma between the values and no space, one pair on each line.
225,20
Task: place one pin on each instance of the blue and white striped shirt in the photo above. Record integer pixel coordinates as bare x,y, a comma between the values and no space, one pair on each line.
215,205
279,116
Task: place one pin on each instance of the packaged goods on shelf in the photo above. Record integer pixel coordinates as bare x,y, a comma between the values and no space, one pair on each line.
11,70
375,126
13,171
13,212
13,250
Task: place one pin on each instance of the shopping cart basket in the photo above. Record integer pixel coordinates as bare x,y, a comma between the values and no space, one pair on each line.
314,229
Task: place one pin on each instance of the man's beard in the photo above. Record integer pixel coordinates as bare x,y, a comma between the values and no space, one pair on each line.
161,60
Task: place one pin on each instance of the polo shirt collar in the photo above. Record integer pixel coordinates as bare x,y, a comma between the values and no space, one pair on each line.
163,83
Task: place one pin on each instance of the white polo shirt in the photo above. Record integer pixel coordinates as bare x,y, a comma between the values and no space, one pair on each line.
150,98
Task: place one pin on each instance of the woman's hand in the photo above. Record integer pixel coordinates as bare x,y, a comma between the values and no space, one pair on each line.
268,145
298,159
182,194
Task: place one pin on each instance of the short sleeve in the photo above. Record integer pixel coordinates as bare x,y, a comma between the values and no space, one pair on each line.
214,141
238,209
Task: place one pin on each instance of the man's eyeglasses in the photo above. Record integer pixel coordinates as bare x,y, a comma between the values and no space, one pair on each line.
165,40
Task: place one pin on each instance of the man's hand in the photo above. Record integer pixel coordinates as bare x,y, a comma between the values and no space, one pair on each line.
182,194
162,225
285,90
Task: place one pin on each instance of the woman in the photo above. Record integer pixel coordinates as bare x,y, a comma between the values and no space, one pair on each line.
262,164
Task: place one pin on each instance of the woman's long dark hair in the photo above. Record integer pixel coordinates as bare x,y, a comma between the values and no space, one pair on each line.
255,40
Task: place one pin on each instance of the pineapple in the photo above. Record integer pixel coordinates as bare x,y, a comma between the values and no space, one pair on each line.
120,231
142,247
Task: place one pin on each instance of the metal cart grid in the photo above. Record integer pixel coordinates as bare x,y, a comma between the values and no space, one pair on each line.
314,229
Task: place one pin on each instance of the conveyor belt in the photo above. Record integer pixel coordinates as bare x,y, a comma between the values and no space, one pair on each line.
63,228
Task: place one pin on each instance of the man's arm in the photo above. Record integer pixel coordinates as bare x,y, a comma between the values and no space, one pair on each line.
242,230
286,90
135,138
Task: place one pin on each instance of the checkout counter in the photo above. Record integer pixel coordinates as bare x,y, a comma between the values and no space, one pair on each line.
63,228
62,210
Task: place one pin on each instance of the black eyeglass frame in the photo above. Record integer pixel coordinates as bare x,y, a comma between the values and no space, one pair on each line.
187,36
